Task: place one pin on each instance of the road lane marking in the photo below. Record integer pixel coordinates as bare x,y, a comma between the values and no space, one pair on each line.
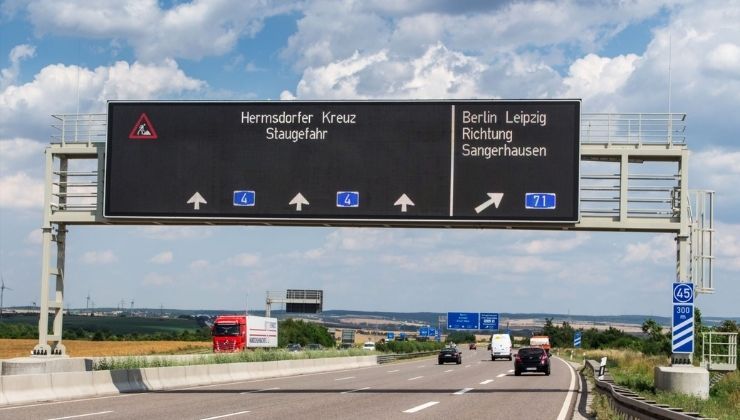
501,375
225,415
415,378
421,407
81,415
511,371
393,371
355,390
258,390
449,370
422,366
566,404
462,391
486,382
345,378
467,365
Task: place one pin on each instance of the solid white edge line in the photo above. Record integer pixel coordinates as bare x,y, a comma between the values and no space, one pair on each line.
342,379
571,388
225,415
501,375
393,371
421,407
81,415
462,391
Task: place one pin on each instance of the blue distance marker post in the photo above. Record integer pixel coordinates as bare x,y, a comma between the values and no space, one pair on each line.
682,331
577,340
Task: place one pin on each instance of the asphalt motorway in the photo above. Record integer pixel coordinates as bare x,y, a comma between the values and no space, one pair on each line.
477,388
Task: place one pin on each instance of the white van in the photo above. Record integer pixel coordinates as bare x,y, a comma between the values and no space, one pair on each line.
500,346
368,346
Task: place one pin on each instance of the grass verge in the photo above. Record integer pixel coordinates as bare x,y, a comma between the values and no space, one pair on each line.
635,371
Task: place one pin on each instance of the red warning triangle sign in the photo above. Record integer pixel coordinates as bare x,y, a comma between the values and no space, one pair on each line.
143,129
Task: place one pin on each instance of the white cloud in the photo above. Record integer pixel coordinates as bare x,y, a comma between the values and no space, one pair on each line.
552,245
199,264
15,152
244,260
24,108
660,248
162,258
99,257
174,233
727,247
155,279
17,54
195,29
593,75
34,237
20,191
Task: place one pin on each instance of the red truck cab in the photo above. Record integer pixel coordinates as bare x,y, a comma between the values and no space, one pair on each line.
229,333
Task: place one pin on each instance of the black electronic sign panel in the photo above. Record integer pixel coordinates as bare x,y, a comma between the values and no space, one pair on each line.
416,163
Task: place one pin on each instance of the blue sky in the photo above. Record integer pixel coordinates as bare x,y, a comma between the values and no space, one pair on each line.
613,55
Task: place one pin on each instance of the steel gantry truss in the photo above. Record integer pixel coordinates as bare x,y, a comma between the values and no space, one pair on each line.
634,178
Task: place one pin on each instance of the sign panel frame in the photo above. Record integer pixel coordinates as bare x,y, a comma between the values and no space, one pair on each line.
190,205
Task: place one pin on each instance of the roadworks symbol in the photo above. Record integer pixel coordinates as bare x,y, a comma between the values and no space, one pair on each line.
143,129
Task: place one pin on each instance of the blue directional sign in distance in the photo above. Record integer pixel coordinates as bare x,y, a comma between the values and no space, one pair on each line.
348,199
488,321
577,340
683,293
463,320
389,336
424,332
540,201
244,198
683,329
432,332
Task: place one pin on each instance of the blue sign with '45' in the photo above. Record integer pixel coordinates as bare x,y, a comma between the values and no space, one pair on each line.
683,293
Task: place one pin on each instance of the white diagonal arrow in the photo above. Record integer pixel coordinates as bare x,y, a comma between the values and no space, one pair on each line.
298,201
404,201
197,200
493,198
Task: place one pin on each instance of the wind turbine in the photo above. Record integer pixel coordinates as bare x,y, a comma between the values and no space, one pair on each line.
2,294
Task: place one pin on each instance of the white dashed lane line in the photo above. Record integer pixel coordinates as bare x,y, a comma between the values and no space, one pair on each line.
393,371
82,415
462,391
225,415
355,390
344,379
415,378
421,407
486,382
501,375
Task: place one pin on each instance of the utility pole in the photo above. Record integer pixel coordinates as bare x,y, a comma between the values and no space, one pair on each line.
87,303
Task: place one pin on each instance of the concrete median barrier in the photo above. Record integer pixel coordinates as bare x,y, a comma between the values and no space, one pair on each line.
70,385
27,388
103,383
19,389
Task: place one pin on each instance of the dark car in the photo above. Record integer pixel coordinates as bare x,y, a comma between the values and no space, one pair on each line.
450,354
472,346
294,347
531,359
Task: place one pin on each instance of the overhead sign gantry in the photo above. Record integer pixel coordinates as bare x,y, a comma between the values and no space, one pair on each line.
395,163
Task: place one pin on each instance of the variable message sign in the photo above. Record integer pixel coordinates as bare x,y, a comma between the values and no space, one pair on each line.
394,163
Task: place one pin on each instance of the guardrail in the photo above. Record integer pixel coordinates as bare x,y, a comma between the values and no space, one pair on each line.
387,358
632,406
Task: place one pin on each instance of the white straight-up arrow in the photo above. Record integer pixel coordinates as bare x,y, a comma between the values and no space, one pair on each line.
298,201
493,198
197,200
404,201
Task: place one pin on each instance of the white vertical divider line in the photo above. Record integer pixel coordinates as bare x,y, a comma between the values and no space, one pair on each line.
452,160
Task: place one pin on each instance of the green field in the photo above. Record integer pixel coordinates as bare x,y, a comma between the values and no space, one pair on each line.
112,325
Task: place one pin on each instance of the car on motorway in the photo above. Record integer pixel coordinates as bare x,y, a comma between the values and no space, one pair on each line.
472,346
294,347
500,346
450,354
315,346
531,359
368,346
